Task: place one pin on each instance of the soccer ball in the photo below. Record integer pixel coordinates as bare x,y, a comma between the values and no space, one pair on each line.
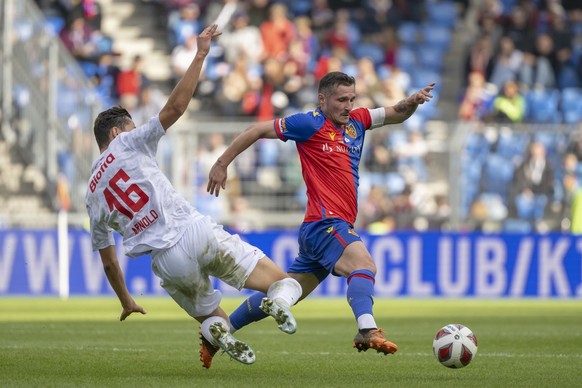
455,346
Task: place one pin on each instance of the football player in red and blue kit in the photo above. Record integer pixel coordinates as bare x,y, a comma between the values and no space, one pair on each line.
329,141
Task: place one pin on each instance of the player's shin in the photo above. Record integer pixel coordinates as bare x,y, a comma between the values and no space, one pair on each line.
248,312
360,294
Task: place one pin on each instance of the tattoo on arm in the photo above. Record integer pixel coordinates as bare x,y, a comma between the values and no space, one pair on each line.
405,108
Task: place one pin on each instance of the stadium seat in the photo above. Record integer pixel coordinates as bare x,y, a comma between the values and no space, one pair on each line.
568,78
571,105
542,106
516,225
497,176
395,183
429,110
443,13
406,58
422,77
511,144
370,50
54,25
507,6
431,57
435,35
409,33
477,147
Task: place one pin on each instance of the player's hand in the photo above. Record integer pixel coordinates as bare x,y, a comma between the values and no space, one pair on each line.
216,179
423,95
132,308
203,40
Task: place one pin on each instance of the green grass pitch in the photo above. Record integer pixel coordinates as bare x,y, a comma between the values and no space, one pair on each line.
47,342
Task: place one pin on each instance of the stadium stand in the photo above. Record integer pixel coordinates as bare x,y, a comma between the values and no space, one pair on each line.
391,51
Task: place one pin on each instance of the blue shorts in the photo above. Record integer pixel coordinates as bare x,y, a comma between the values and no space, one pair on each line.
321,243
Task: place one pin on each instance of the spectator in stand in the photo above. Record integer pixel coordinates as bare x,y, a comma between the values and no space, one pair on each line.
507,63
509,106
181,58
277,32
243,39
80,39
345,33
106,77
130,83
480,58
540,70
520,29
258,11
273,99
309,41
405,10
239,94
368,83
476,101
149,103
322,18
390,93
410,157
183,24
533,184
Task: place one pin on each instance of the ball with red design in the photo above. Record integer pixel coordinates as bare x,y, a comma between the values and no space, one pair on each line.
455,346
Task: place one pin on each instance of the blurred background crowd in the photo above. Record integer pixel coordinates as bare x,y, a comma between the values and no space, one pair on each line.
515,89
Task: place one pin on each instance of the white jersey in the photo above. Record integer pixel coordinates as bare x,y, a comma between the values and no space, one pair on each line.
129,193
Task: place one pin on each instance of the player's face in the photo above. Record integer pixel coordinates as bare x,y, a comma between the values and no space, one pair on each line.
338,105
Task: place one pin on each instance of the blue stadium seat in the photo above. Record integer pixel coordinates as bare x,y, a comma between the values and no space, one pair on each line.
507,6
516,225
429,110
442,12
370,50
422,77
431,57
497,176
511,144
409,33
542,106
477,147
571,105
568,78
406,58
436,35
54,25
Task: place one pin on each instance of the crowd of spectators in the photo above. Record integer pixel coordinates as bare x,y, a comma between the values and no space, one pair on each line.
523,63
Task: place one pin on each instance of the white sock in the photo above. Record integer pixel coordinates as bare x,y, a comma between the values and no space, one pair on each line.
366,321
205,328
286,291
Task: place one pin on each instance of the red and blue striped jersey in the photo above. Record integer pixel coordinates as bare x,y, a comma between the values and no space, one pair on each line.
330,158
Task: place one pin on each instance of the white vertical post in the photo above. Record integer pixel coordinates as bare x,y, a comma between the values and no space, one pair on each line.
63,252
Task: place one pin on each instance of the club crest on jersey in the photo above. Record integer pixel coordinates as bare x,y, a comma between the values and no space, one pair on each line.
332,136
351,131
353,232
329,230
283,125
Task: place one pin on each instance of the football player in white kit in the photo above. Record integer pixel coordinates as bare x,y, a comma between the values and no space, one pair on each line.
128,193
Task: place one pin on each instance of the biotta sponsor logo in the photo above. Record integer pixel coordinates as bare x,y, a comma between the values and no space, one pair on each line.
97,177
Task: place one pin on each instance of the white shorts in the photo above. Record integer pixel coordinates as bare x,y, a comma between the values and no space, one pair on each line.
204,250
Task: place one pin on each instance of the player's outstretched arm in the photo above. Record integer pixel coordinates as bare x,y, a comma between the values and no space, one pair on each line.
217,176
405,108
182,94
115,277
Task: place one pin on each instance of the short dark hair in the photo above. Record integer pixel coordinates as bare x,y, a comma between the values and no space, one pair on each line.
334,79
116,116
